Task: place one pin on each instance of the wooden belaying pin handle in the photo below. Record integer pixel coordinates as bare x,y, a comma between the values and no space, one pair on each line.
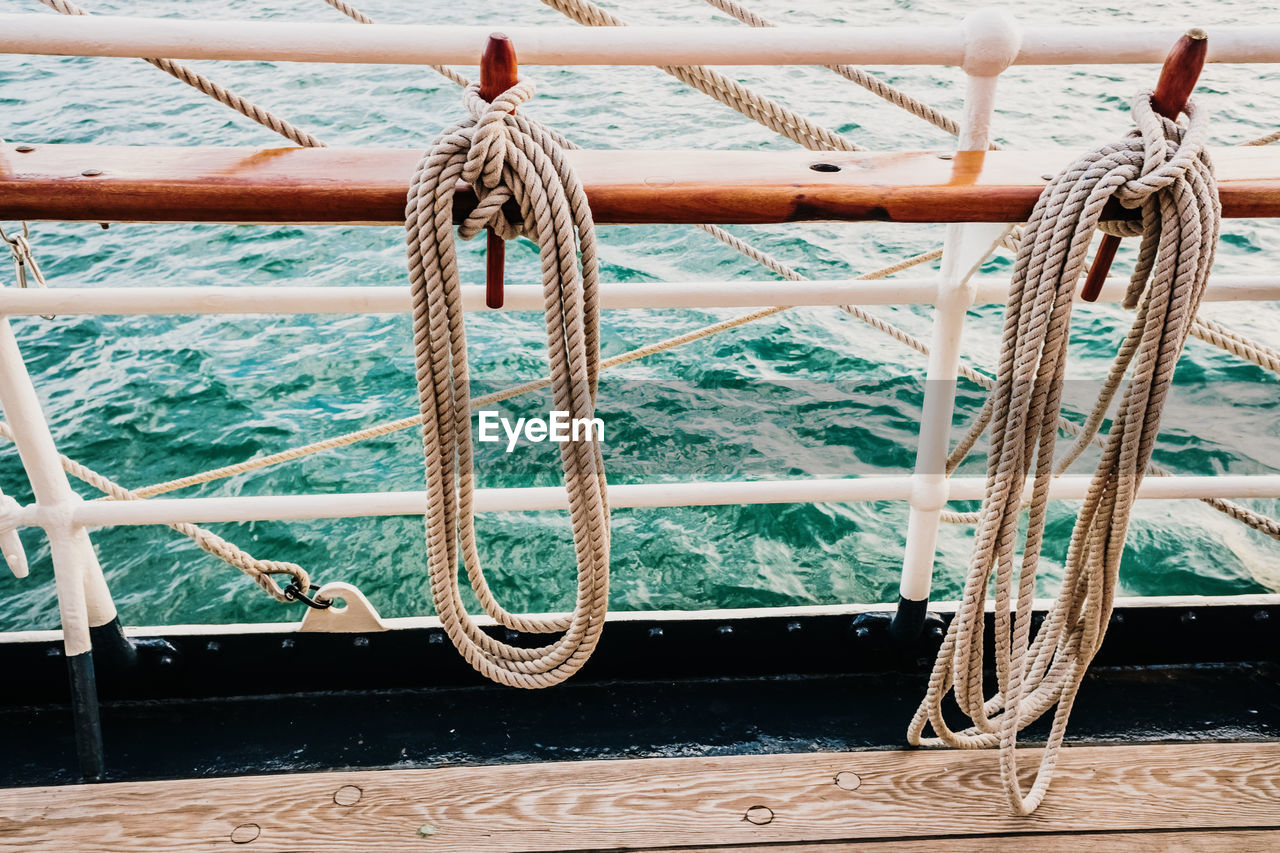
1178,78
497,75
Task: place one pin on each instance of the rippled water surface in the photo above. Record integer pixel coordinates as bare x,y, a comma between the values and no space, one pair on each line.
810,392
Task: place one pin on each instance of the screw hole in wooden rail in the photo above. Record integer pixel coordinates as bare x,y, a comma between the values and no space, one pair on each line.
824,167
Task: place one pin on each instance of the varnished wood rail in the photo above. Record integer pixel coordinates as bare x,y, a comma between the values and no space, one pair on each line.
337,185
1150,797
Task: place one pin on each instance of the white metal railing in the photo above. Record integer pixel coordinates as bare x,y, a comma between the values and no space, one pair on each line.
292,507
66,301
279,41
984,46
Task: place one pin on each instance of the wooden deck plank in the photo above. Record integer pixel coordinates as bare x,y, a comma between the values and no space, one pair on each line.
644,804
1236,841
337,185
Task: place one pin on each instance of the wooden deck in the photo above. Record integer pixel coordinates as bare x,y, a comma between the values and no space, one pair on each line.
1183,797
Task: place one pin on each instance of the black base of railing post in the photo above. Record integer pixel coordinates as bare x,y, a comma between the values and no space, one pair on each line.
908,621
111,648
85,717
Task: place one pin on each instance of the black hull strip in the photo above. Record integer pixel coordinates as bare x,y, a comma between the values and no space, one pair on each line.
251,703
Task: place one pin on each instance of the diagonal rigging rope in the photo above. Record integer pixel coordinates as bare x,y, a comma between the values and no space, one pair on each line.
361,18
1264,140
870,82
221,94
261,571
388,427
1163,169
727,91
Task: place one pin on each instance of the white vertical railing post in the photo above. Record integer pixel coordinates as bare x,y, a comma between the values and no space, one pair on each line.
991,44
84,602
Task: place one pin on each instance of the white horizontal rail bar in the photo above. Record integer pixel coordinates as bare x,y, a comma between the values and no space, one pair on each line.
517,297
528,297
106,35
103,513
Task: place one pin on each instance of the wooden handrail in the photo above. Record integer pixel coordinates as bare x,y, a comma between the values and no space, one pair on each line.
368,186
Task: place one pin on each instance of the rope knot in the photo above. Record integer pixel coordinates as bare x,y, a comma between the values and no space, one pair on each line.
494,131
1168,149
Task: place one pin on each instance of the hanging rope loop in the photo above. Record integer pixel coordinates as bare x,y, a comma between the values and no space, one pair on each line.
507,158
1163,169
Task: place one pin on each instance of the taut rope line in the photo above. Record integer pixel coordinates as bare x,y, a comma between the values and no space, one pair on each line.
260,571
221,94
1162,168
767,112
506,157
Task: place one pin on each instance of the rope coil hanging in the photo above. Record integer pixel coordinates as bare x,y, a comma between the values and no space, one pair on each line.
1162,169
506,157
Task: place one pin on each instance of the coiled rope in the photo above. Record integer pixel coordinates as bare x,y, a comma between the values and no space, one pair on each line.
1163,169
506,157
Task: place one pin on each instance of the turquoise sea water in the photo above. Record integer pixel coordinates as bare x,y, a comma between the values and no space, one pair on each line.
811,392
